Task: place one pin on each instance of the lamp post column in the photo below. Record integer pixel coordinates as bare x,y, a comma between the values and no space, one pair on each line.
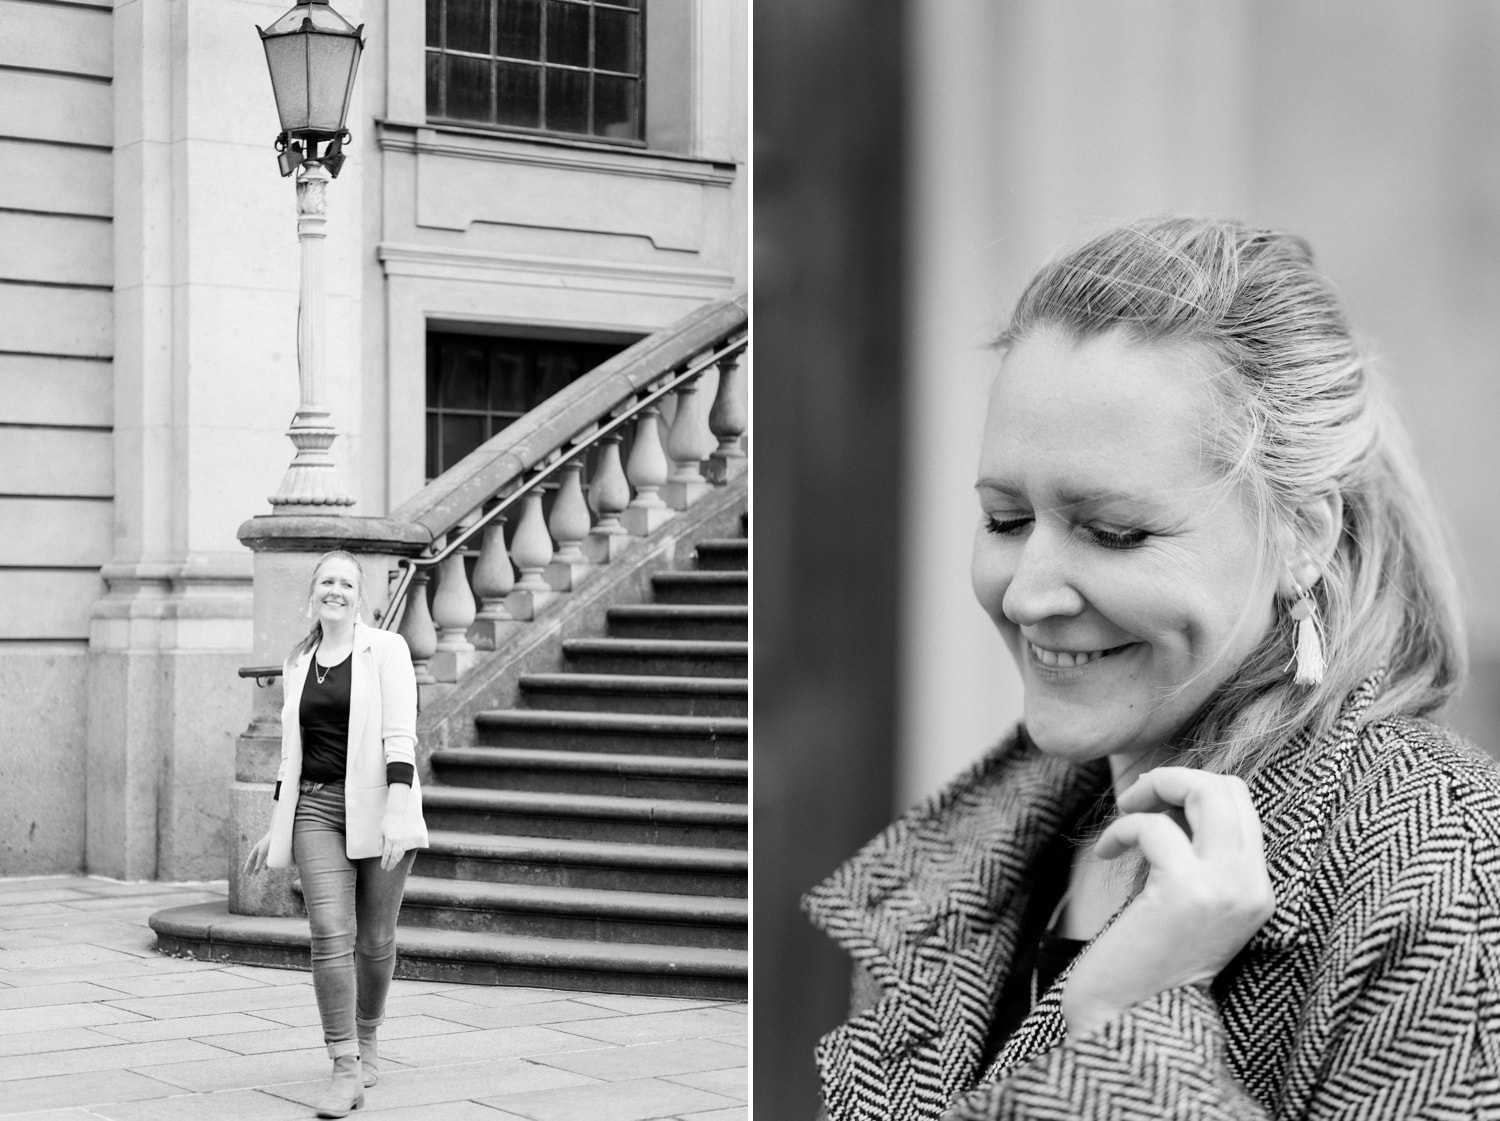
311,484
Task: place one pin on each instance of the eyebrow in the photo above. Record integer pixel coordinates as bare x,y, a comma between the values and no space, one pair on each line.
1067,497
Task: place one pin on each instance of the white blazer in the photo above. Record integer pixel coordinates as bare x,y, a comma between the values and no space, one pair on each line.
382,729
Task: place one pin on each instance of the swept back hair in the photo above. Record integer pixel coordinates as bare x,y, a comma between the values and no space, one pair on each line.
1300,414
310,640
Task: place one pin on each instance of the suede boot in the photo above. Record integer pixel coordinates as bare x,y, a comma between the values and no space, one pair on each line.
369,1055
344,1092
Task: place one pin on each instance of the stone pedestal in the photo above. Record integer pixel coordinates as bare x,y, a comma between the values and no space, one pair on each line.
286,552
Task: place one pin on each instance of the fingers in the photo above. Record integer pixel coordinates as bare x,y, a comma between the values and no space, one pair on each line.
1158,838
1220,813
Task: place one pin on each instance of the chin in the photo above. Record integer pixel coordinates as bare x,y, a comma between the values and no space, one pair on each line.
1067,740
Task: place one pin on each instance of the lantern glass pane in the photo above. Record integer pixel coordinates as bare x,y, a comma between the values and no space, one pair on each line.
330,59
520,34
469,88
469,26
287,58
567,100
617,107
518,99
616,44
567,33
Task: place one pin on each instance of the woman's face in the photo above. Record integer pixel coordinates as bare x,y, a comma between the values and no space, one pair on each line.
335,591
1126,576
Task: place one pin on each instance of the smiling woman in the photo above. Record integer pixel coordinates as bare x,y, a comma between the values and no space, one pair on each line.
1205,542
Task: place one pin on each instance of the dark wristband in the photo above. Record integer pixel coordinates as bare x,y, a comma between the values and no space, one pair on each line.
399,772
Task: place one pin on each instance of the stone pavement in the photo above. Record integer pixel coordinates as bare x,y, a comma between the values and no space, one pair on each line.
95,1024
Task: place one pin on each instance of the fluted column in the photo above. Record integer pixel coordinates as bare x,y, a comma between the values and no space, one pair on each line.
416,627
647,471
531,550
569,524
311,484
609,494
727,421
688,443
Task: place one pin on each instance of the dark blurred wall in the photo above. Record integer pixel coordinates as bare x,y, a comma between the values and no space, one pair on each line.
829,343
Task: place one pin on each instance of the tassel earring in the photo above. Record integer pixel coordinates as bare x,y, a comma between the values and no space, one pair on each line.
1308,641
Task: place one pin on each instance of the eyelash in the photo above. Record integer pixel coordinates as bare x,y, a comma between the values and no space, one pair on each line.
1130,539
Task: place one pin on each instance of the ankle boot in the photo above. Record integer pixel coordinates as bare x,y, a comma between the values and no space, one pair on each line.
369,1056
344,1091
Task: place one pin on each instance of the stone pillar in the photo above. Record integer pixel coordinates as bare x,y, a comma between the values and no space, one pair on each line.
286,549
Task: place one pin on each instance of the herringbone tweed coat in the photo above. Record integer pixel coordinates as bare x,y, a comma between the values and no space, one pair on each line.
1372,993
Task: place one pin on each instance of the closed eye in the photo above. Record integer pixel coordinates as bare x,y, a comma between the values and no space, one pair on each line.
1109,539
1006,527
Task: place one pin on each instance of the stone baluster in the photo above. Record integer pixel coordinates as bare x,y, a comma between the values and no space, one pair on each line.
647,471
609,494
569,524
494,577
531,550
688,443
727,421
453,612
416,626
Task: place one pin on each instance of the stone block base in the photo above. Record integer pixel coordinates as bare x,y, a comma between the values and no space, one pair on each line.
643,520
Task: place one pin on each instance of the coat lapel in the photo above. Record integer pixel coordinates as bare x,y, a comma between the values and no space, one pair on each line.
361,687
931,910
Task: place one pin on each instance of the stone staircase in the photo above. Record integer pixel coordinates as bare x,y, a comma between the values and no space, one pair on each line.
597,832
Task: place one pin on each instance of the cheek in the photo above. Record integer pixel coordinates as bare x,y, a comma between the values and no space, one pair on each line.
989,574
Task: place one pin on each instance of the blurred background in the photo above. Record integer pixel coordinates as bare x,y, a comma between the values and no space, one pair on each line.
915,161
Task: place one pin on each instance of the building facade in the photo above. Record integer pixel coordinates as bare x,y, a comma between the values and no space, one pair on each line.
529,187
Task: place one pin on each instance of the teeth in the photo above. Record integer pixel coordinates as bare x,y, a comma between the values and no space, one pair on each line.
1062,659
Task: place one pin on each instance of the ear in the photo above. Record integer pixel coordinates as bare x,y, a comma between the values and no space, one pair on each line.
1318,526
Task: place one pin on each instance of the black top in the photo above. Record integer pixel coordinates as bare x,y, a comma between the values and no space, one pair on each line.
324,715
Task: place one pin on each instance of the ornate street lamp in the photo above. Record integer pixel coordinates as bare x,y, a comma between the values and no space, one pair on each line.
313,53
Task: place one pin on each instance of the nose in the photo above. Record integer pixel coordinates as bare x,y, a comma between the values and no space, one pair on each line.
1042,585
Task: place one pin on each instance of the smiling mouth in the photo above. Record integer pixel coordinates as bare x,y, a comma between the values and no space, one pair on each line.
1066,659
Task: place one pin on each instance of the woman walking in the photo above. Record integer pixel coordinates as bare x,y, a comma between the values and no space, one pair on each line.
348,813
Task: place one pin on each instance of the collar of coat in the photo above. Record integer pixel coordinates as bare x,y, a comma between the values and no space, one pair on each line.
362,679
929,910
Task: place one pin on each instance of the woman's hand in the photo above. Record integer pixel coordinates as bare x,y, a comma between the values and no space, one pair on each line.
255,861
1205,896
393,826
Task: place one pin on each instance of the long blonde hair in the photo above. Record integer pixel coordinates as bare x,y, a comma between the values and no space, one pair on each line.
1301,413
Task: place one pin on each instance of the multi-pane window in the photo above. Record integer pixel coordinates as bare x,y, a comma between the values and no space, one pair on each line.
568,66
478,384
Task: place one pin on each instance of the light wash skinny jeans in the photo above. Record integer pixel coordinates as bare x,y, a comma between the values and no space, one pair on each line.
351,907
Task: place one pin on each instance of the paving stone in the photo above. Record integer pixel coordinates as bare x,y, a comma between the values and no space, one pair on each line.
300,1013
493,1043
61,1090
76,992
690,1023
76,1113
17,1020
43,895
113,1056
618,1101
494,996
434,1086
206,1004
732,1083
53,1039
48,953
542,1012
226,1105
451,1111
103,972
646,1004
243,1072
264,975
187,1027
169,984
657,1060
738,1113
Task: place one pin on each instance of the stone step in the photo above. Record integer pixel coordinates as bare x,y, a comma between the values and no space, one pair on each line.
725,554
595,772
586,817
208,932
563,862
538,911
691,621
658,656
701,587
618,692
718,737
